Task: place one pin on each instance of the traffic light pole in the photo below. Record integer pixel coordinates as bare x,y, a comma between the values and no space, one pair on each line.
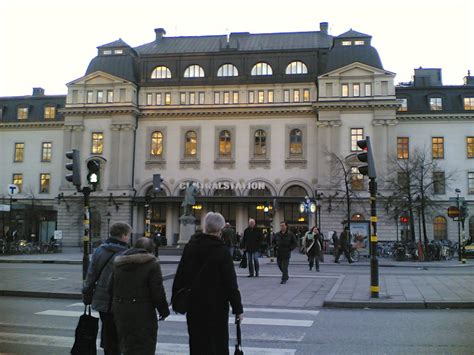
374,264
86,238
147,216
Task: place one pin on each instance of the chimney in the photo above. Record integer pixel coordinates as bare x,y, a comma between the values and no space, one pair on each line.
323,27
469,80
38,91
160,32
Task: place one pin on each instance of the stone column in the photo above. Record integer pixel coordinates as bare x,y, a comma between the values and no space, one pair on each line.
114,163
126,156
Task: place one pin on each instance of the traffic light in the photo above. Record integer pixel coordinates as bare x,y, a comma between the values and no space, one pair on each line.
75,167
404,219
464,210
93,174
366,157
157,181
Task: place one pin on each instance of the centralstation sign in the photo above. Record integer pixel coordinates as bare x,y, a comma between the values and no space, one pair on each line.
224,185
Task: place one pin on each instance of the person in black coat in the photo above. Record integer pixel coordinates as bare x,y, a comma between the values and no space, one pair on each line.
285,242
313,241
137,291
207,267
251,243
344,246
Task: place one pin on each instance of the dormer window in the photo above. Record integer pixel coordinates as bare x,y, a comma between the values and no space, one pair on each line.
347,43
261,69
194,71
22,113
227,70
436,104
161,72
118,51
296,67
107,52
359,43
49,112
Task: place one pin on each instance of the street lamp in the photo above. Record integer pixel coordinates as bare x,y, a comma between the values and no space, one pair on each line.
458,192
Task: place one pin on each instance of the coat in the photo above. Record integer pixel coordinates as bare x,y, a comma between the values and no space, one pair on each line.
344,240
137,290
207,267
252,239
96,286
285,243
228,236
316,249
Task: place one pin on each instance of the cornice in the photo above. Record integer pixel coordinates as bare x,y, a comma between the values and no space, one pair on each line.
92,111
22,125
355,105
328,123
436,117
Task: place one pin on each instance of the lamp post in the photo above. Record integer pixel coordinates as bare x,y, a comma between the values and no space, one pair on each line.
108,215
458,192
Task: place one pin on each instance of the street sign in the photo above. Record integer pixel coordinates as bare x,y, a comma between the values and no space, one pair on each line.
453,212
12,189
58,235
4,208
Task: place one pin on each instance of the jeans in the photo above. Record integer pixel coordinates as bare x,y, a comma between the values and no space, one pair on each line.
283,266
313,259
252,258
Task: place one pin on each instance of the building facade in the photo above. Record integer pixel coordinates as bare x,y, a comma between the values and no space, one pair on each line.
257,121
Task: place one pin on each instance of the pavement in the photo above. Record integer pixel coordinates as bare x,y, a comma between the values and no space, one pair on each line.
420,285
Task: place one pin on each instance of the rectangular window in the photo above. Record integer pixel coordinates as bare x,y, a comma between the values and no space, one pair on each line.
404,105
306,96
403,147
45,180
469,103
357,179
19,152
90,97
357,134
159,99
217,98
235,97
470,147
17,179
436,104
356,89
359,43
470,182
384,88
118,51
202,98
437,147
368,89
110,96
261,96
100,96
286,95
97,143
46,151
296,96
226,97
439,183
49,113
182,98
270,96
149,99
122,95
192,98
347,43
22,113
75,94
345,90
329,90
251,97
167,98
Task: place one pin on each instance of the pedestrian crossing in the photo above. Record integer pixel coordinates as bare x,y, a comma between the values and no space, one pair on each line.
266,331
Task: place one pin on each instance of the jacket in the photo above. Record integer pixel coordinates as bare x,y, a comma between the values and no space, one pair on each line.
285,243
252,239
228,237
137,291
316,248
95,290
344,239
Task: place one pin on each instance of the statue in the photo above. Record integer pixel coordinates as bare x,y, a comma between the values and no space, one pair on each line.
189,199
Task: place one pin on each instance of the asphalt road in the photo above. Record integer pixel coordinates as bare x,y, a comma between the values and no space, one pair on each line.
40,326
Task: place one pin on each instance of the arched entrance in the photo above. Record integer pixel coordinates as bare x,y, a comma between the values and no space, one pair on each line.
257,210
297,221
223,205
158,213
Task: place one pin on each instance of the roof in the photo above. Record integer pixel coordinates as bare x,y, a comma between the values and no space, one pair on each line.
35,106
122,66
115,44
243,41
353,34
340,56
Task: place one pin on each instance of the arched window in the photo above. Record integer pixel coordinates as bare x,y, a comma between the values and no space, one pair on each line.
161,72
228,70
357,217
194,71
296,142
295,191
260,143
190,144
262,68
296,67
440,230
225,144
156,143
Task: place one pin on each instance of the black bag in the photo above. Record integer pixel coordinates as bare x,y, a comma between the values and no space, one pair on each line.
243,262
237,255
86,334
181,300
238,346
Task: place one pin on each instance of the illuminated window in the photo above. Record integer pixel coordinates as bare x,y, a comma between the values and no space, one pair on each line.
190,144
296,68
261,69
45,180
161,72
359,43
17,180
403,147
436,103
357,179
347,43
437,147
469,103
356,89
227,70
46,151
235,97
167,98
271,96
194,71
202,98
306,96
296,96
225,144
470,147
19,152
97,143
49,112
192,98
440,230
470,182
345,90
357,134
404,105
110,96
118,51
226,97
100,96
156,144
22,113
439,183
260,142
296,142
368,89
261,96
182,98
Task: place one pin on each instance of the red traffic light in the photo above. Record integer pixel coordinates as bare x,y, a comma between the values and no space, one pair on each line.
404,219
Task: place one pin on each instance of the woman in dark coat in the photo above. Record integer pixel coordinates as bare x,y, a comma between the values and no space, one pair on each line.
313,246
207,268
137,291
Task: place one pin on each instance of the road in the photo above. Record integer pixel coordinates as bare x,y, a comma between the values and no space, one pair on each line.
42,326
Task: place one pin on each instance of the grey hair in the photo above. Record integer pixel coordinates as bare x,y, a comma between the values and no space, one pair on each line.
213,223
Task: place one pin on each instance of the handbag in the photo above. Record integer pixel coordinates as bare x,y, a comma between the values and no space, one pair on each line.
86,334
237,255
238,346
243,262
181,300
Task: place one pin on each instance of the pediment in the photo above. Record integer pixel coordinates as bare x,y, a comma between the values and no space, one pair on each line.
356,69
98,78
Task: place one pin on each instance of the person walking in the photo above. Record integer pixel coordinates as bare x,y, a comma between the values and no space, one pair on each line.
137,292
335,243
285,242
313,245
344,246
95,291
208,269
229,239
251,243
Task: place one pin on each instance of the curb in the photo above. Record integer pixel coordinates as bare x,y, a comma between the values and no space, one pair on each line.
366,264
399,304
64,262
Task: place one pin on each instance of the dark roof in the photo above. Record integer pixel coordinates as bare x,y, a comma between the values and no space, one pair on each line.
239,41
353,34
35,104
122,66
115,44
340,56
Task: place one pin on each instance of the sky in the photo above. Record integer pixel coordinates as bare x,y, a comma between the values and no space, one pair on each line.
48,43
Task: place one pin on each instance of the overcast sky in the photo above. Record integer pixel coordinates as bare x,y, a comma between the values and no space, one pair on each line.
48,43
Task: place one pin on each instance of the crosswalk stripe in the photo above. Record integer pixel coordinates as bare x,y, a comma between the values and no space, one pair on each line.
178,318
294,276
162,348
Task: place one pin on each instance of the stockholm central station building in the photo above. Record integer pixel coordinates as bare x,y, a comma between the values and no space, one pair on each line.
257,121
